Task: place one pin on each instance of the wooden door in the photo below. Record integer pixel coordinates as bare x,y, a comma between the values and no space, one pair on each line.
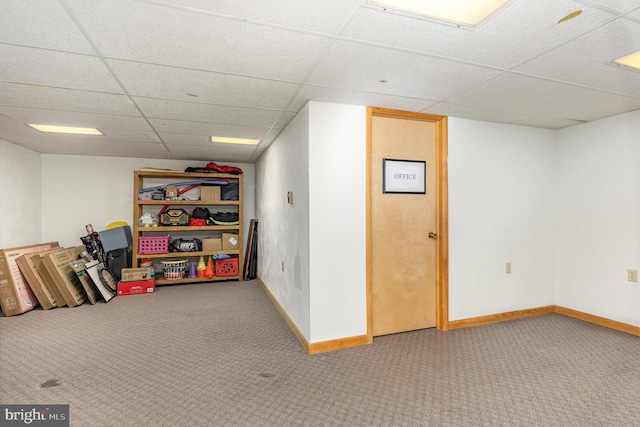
404,272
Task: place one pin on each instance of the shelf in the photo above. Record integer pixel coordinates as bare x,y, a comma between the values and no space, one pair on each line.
168,228
188,175
189,254
141,207
188,202
162,281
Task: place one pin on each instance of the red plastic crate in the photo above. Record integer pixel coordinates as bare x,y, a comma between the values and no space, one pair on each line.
153,245
227,267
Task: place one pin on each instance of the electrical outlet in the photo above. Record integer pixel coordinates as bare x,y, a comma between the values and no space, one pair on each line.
508,268
282,265
632,275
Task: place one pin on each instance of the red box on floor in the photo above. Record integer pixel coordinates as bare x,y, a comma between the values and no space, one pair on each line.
134,288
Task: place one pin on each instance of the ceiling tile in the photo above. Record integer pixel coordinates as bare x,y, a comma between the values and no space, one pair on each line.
327,15
124,30
362,68
344,96
514,34
605,106
19,133
216,154
184,139
101,147
130,135
50,68
524,94
165,126
19,95
587,60
612,5
201,112
100,121
473,113
204,86
284,119
41,24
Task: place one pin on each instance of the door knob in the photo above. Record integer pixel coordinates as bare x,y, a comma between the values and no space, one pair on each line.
433,236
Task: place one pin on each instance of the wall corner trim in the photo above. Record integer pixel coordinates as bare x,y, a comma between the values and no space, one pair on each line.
499,317
597,320
519,314
316,347
285,316
338,344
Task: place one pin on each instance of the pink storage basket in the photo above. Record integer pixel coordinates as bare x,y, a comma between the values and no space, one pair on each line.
153,245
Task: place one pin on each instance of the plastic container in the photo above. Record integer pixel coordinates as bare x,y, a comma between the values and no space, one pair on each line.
227,267
153,245
115,238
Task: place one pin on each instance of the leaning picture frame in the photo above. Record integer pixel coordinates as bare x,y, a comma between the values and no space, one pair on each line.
404,176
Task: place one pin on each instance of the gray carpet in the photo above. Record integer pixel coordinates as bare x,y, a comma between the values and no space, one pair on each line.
220,355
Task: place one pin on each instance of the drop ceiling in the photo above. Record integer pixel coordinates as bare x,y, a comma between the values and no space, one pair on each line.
158,78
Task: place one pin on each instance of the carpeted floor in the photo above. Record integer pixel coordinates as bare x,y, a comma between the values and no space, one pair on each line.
220,355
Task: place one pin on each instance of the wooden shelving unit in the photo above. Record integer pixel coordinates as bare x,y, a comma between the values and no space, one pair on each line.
141,180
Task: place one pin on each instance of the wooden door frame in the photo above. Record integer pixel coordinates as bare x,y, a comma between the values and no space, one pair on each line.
442,212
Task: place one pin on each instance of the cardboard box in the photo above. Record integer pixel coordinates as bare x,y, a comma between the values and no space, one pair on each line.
170,191
64,277
210,193
46,277
229,241
135,274
77,251
90,289
135,288
27,265
211,244
16,297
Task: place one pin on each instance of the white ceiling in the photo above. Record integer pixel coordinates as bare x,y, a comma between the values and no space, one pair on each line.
159,77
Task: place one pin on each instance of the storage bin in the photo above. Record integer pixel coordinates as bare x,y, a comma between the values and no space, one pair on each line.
153,245
227,267
115,238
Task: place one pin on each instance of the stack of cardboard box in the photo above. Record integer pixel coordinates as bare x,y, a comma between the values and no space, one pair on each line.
49,276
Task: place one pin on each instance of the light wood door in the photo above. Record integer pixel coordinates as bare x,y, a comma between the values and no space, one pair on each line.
403,257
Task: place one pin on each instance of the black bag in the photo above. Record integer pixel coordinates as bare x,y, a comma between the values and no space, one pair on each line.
200,213
231,191
186,245
226,217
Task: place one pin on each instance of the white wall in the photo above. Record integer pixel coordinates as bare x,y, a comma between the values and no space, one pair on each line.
500,210
283,229
337,171
598,217
80,190
20,205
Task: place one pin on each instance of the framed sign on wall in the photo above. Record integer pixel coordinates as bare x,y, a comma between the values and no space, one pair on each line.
404,176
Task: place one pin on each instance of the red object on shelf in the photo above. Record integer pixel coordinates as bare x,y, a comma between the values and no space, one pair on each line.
227,267
134,288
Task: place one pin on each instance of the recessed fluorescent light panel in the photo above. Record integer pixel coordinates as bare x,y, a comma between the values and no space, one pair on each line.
66,129
632,61
465,12
225,140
